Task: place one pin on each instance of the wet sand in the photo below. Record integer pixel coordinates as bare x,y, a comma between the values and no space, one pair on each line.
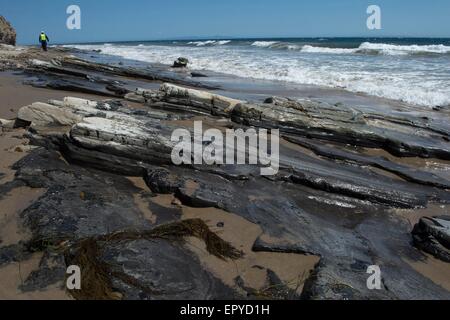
13,147
141,201
14,94
435,270
13,275
413,216
12,204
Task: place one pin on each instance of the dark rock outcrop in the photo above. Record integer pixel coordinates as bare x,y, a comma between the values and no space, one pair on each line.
7,32
78,75
104,206
432,235
180,63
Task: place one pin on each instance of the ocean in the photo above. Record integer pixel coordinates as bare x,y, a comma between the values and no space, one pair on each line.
415,71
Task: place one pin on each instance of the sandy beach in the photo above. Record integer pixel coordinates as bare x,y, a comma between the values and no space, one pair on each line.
14,146
15,95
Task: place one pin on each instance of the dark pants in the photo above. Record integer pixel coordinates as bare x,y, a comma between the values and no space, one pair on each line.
44,45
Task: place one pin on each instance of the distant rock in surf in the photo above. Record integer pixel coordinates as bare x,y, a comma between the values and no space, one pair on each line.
180,63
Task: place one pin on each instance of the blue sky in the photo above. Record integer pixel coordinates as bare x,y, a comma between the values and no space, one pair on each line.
120,20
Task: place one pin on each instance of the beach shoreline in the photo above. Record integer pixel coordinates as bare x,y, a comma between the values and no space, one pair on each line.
384,67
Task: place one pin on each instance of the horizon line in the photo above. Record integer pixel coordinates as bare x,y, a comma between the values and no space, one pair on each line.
249,38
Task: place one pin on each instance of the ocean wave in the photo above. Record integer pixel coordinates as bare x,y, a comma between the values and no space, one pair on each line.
365,48
276,45
209,43
312,49
287,46
392,49
383,49
264,44
409,80
223,42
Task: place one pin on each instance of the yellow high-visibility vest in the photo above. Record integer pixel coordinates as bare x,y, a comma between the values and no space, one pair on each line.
43,37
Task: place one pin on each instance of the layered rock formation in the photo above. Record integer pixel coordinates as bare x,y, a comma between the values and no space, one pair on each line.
326,206
7,32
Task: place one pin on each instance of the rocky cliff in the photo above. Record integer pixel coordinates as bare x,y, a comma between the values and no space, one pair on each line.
7,32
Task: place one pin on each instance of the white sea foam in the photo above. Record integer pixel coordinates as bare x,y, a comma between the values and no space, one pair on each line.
209,42
277,45
223,42
405,78
312,49
264,44
403,49
382,48
364,48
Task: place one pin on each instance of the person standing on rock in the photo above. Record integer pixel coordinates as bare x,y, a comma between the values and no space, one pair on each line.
43,39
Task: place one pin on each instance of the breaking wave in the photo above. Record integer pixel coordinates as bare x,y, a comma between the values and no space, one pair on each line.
409,78
364,48
312,49
209,43
264,44
392,49
382,49
277,45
